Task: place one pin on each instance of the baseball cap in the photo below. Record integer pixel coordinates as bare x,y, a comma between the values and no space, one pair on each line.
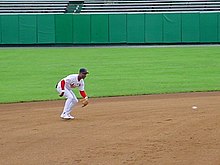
83,70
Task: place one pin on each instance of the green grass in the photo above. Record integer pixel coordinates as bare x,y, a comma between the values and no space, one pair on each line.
30,74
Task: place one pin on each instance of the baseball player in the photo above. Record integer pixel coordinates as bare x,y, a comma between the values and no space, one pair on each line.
64,89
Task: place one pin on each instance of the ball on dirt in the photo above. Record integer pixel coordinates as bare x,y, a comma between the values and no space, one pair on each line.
194,107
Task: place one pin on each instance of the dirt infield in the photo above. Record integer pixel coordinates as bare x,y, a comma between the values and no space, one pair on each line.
137,130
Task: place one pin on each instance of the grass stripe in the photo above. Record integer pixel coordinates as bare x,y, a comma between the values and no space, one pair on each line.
29,74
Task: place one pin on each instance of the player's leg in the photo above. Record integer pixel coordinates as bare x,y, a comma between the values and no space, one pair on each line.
73,103
70,102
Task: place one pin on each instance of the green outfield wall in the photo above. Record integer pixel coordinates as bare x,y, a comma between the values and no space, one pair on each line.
110,28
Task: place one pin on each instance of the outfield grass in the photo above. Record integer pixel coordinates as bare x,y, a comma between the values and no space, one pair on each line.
30,74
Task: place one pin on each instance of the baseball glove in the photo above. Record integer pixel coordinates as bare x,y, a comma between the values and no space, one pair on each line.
84,102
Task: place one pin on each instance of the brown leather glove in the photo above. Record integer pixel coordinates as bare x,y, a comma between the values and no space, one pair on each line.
84,102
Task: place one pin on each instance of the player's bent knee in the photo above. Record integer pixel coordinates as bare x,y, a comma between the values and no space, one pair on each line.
74,100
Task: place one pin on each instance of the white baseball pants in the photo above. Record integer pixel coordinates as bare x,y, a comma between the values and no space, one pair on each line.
70,101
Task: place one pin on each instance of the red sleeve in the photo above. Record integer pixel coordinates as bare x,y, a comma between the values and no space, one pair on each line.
83,94
62,84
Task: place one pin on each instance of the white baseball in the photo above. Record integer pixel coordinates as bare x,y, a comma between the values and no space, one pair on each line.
194,107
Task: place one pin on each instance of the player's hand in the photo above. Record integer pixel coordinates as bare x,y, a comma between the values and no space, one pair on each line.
61,94
84,102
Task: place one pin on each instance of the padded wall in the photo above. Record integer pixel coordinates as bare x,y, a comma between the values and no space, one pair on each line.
64,28
10,30
153,28
209,27
218,27
190,27
27,29
172,28
46,29
0,29
135,28
81,29
110,28
99,28
117,28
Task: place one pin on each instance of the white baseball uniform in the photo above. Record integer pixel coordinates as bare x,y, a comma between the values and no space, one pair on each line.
65,86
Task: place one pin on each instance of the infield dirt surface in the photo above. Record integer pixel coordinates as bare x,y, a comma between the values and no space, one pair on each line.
135,130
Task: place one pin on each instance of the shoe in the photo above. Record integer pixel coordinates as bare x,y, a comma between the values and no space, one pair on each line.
65,116
71,117
62,115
